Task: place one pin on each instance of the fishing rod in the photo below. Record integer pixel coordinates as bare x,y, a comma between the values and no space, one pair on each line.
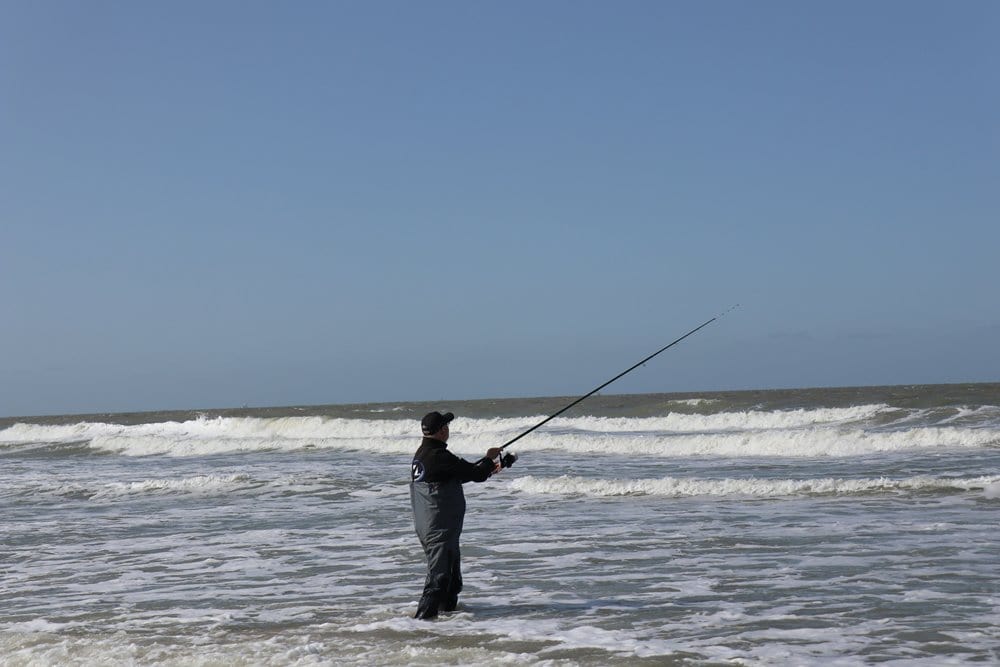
620,375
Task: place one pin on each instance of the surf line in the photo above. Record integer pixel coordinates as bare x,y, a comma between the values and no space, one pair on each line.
620,375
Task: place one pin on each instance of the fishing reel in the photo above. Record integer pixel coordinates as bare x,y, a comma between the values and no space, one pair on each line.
507,460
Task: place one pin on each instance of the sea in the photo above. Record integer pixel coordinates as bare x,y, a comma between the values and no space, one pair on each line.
830,526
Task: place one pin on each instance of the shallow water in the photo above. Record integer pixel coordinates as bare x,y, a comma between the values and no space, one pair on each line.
821,533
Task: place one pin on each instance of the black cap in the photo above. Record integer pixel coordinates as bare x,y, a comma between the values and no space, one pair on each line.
434,422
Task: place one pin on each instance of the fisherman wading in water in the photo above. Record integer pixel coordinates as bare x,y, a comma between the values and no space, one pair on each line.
438,501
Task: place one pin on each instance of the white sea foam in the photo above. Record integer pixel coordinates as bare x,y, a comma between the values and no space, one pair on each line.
818,432
214,484
796,443
693,401
687,423
754,487
44,433
195,484
233,428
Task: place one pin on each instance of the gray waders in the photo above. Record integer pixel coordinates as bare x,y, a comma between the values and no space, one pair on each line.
438,515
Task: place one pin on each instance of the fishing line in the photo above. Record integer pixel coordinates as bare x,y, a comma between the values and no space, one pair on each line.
620,375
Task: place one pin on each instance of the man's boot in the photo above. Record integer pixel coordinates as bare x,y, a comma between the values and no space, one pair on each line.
427,608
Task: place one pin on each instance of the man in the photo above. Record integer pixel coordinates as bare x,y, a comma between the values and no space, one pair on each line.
438,503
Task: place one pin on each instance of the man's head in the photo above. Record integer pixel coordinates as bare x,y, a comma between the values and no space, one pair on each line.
435,425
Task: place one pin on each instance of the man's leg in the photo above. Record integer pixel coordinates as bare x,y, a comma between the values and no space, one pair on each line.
450,600
438,580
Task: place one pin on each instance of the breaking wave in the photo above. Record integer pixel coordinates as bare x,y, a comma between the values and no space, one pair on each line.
816,432
752,487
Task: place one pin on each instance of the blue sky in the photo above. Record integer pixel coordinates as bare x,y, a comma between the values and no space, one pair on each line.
211,204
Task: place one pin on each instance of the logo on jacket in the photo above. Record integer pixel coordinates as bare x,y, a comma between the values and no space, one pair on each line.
417,470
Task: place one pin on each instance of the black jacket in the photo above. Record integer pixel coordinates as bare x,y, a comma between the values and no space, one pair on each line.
436,478
434,464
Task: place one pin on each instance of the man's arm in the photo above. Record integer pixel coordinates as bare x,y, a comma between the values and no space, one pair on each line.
463,471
